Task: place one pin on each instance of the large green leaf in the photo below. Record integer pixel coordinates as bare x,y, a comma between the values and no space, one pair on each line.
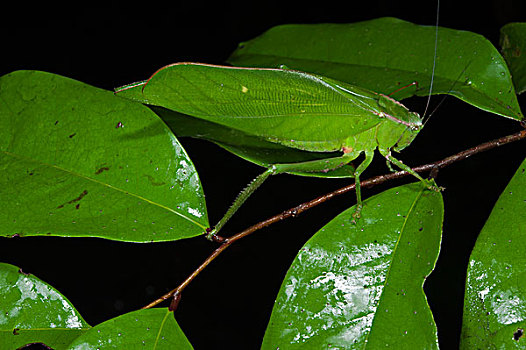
387,53
248,147
31,311
513,45
357,286
495,298
150,329
79,161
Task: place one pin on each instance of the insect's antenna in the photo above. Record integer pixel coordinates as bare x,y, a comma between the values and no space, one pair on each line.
445,95
434,61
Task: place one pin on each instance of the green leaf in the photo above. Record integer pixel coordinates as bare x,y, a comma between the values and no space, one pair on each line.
31,311
513,45
358,286
248,147
144,329
386,54
495,297
79,161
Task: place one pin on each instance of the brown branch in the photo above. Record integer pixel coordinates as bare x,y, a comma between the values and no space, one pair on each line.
226,242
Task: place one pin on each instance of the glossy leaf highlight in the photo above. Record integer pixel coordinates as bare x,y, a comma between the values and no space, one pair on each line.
386,54
79,161
150,329
358,286
513,45
495,298
31,311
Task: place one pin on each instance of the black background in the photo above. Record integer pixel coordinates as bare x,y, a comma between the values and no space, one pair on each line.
228,305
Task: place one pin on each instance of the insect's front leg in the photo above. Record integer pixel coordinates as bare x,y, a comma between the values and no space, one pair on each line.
369,154
389,166
387,154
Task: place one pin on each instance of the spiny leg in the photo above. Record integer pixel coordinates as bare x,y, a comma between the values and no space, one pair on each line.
398,163
240,199
369,154
389,166
321,165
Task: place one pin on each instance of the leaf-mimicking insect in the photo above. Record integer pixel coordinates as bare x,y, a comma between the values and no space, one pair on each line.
290,108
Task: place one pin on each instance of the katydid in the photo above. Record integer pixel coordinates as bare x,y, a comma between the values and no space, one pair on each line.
291,108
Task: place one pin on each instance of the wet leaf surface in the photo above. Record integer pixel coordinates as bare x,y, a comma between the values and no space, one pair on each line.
495,297
357,286
32,311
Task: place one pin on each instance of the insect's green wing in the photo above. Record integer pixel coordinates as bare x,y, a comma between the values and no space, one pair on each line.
248,147
291,108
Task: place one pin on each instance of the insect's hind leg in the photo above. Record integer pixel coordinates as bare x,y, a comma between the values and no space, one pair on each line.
241,198
320,165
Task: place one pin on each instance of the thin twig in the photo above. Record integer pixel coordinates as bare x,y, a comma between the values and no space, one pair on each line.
226,242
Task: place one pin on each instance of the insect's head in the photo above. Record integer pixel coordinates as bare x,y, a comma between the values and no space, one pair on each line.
406,123
413,127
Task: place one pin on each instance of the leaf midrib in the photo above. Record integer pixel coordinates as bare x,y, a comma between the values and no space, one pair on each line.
73,173
393,254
